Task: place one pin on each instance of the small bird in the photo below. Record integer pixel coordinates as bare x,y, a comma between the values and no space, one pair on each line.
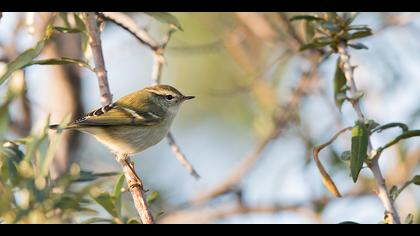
134,122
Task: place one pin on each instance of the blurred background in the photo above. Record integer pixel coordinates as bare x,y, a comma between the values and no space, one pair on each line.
245,70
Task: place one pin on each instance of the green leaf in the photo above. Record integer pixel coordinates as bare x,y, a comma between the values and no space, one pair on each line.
152,197
10,157
133,221
35,141
53,145
381,128
90,175
166,18
345,156
359,144
96,220
317,43
83,36
359,28
416,180
309,30
105,200
393,192
117,193
351,18
62,61
330,26
23,60
339,86
68,30
359,34
405,135
371,125
4,119
348,223
358,46
306,17
409,219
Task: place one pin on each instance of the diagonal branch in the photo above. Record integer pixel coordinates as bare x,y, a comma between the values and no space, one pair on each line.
98,57
382,193
134,182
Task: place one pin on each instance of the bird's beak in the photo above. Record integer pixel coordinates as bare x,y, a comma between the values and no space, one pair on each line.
188,97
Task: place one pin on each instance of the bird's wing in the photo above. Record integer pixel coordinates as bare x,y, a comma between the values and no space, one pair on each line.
114,115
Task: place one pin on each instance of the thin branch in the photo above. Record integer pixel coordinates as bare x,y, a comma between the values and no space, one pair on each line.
382,192
326,179
129,25
134,183
135,186
181,157
96,46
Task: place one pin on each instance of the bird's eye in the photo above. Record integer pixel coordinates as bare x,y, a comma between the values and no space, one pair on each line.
169,97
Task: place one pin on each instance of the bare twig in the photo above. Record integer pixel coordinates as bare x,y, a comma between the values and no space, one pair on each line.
180,156
135,186
95,44
382,192
134,182
129,25
326,179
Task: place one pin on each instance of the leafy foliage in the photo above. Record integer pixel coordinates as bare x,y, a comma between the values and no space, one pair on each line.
28,194
359,144
331,29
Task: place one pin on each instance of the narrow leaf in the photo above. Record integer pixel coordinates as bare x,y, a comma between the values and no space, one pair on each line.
359,34
133,221
358,46
306,17
105,200
67,30
351,18
54,141
416,180
117,194
62,61
345,156
359,144
96,220
381,128
152,197
348,223
359,27
339,83
405,135
22,60
330,26
166,18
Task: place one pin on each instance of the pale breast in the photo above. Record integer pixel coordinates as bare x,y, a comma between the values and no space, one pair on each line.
130,139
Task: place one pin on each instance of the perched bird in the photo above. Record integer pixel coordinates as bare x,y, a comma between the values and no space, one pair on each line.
134,122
